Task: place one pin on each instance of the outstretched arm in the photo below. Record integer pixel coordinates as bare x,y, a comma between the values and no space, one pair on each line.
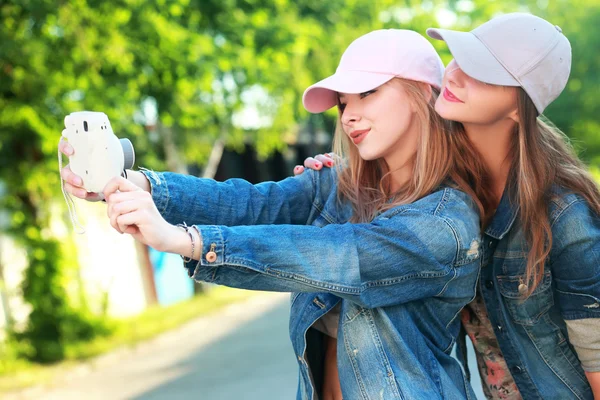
233,202
402,255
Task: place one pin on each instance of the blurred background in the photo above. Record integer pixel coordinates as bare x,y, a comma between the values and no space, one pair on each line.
207,87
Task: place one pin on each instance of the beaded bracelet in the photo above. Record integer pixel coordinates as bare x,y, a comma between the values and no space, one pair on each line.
187,230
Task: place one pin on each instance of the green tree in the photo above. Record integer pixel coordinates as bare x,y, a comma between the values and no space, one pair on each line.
201,66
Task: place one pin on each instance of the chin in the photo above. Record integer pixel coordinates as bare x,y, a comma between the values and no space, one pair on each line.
368,156
445,111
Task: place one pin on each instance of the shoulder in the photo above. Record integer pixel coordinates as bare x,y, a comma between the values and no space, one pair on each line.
325,178
324,184
446,213
319,183
565,204
449,204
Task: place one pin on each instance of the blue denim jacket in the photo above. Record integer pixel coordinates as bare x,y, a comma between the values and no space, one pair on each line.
401,280
532,334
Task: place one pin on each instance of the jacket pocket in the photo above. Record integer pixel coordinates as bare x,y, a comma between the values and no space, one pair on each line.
526,311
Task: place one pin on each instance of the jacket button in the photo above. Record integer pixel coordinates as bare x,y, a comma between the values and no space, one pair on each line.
489,284
211,256
523,288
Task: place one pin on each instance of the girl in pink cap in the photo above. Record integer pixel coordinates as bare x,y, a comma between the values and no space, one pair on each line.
535,322
381,254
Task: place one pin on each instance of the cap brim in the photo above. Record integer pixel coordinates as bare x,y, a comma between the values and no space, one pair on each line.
323,95
473,57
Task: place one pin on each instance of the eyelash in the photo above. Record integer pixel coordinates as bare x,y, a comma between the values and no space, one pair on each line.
342,106
365,94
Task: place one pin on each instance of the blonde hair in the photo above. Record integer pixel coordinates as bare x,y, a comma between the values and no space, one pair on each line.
366,183
541,157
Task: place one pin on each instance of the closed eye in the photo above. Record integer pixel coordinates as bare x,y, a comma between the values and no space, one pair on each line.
365,94
342,106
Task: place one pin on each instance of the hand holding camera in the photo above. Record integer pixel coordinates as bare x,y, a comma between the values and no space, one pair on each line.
97,154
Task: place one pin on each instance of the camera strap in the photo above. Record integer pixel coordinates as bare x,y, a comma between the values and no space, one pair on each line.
68,199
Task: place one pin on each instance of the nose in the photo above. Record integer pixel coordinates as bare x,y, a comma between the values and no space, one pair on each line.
454,74
351,114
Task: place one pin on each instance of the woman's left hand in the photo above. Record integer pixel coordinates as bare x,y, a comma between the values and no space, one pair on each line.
131,210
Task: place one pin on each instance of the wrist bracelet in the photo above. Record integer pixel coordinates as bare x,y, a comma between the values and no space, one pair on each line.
200,239
187,230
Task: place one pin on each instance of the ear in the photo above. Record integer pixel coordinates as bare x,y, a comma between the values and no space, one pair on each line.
427,91
514,115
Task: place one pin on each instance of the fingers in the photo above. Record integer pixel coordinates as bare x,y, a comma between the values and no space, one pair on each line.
298,169
75,191
122,203
82,193
119,184
69,177
126,222
74,185
312,163
325,160
120,197
66,148
117,210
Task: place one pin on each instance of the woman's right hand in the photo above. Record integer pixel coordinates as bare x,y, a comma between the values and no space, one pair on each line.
317,162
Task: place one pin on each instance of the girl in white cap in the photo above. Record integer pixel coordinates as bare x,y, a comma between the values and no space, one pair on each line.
539,291
381,254
535,322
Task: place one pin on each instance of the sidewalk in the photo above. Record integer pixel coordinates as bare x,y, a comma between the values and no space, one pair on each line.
243,351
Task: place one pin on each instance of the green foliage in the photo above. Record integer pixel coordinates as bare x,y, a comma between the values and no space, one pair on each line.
52,323
203,64
15,372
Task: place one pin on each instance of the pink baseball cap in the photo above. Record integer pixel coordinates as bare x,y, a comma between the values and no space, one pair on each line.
515,49
374,59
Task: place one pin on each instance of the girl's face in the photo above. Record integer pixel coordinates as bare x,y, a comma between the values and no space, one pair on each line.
469,101
381,123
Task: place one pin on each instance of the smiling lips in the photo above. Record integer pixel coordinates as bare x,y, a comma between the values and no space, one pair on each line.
448,95
359,135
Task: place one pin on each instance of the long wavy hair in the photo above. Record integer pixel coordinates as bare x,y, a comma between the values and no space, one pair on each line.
542,156
366,184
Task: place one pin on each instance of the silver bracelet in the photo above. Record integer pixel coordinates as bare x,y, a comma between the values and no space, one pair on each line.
187,230
200,238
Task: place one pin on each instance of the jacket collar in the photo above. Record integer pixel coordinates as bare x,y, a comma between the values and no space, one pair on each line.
503,218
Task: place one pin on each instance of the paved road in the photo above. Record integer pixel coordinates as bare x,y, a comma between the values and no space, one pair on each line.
242,353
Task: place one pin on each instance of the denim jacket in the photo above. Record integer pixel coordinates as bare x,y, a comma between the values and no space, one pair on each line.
532,333
401,280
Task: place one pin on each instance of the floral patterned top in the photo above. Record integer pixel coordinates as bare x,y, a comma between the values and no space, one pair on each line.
496,379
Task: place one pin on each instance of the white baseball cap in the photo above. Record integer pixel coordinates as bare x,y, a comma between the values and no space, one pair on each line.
374,59
515,49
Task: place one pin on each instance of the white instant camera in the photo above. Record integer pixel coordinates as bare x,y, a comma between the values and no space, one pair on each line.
99,155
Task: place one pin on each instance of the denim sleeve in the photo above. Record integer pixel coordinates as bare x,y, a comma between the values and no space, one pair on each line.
575,262
200,201
389,261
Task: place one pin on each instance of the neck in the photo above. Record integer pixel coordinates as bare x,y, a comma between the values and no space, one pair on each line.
401,159
493,141
401,175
